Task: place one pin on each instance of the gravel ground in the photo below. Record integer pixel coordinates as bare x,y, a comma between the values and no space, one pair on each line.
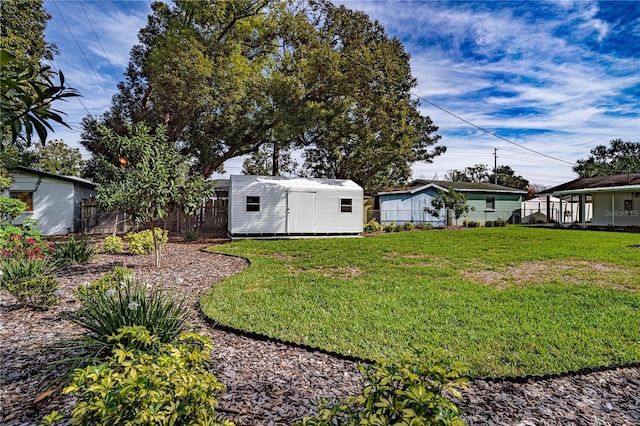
274,384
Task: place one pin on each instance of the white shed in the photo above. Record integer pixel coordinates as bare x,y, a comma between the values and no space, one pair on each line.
54,201
280,206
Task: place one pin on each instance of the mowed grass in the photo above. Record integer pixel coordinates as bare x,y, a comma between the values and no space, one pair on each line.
505,301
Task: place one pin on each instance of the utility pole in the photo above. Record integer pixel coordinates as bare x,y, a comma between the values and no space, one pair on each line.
495,165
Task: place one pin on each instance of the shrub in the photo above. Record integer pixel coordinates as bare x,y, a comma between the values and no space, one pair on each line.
372,226
170,385
30,281
190,235
18,268
408,226
390,227
142,242
409,392
25,241
426,226
73,251
113,244
129,303
470,224
118,276
495,223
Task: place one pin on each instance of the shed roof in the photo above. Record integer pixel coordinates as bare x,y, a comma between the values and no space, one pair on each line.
296,183
620,182
72,179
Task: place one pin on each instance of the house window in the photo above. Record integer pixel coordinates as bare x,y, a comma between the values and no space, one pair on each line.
253,204
346,205
628,205
491,203
24,196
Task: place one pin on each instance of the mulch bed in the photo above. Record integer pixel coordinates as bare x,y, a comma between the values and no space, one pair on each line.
272,383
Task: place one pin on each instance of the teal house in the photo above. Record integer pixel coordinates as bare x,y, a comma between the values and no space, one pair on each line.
411,204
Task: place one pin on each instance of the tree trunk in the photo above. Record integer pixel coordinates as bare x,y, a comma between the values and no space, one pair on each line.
156,249
115,224
275,160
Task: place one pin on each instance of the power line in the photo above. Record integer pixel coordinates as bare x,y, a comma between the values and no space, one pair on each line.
115,74
80,48
462,119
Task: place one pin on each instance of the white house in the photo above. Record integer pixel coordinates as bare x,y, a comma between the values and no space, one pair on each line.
261,206
615,199
54,201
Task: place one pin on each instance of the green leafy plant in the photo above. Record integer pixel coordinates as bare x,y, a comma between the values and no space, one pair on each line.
30,282
147,382
408,226
391,227
73,251
120,275
113,244
412,391
470,224
426,226
129,303
10,208
372,226
190,235
142,242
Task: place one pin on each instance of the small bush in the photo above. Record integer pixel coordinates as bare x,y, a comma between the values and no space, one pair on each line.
409,392
142,242
30,281
170,385
129,303
391,227
119,276
24,242
190,235
470,224
498,223
372,226
73,251
113,244
408,226
426,226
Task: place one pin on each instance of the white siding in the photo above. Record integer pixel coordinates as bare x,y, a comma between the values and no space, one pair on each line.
325,218
53,202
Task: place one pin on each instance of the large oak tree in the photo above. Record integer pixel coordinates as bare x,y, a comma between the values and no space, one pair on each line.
226,78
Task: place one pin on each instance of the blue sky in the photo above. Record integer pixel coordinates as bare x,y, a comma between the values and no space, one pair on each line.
556,77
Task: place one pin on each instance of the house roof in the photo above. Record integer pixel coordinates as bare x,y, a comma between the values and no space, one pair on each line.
72,179
466,187
612,183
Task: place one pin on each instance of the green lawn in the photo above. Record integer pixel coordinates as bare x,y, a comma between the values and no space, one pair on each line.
505,301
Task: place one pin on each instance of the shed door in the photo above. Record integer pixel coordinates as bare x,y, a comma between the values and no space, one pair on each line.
301,212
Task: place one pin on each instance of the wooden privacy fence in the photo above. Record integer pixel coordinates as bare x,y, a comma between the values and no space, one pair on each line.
211,218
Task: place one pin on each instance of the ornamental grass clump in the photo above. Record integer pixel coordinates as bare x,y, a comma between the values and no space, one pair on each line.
128,302
30,281
73,251
146,382
412,391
